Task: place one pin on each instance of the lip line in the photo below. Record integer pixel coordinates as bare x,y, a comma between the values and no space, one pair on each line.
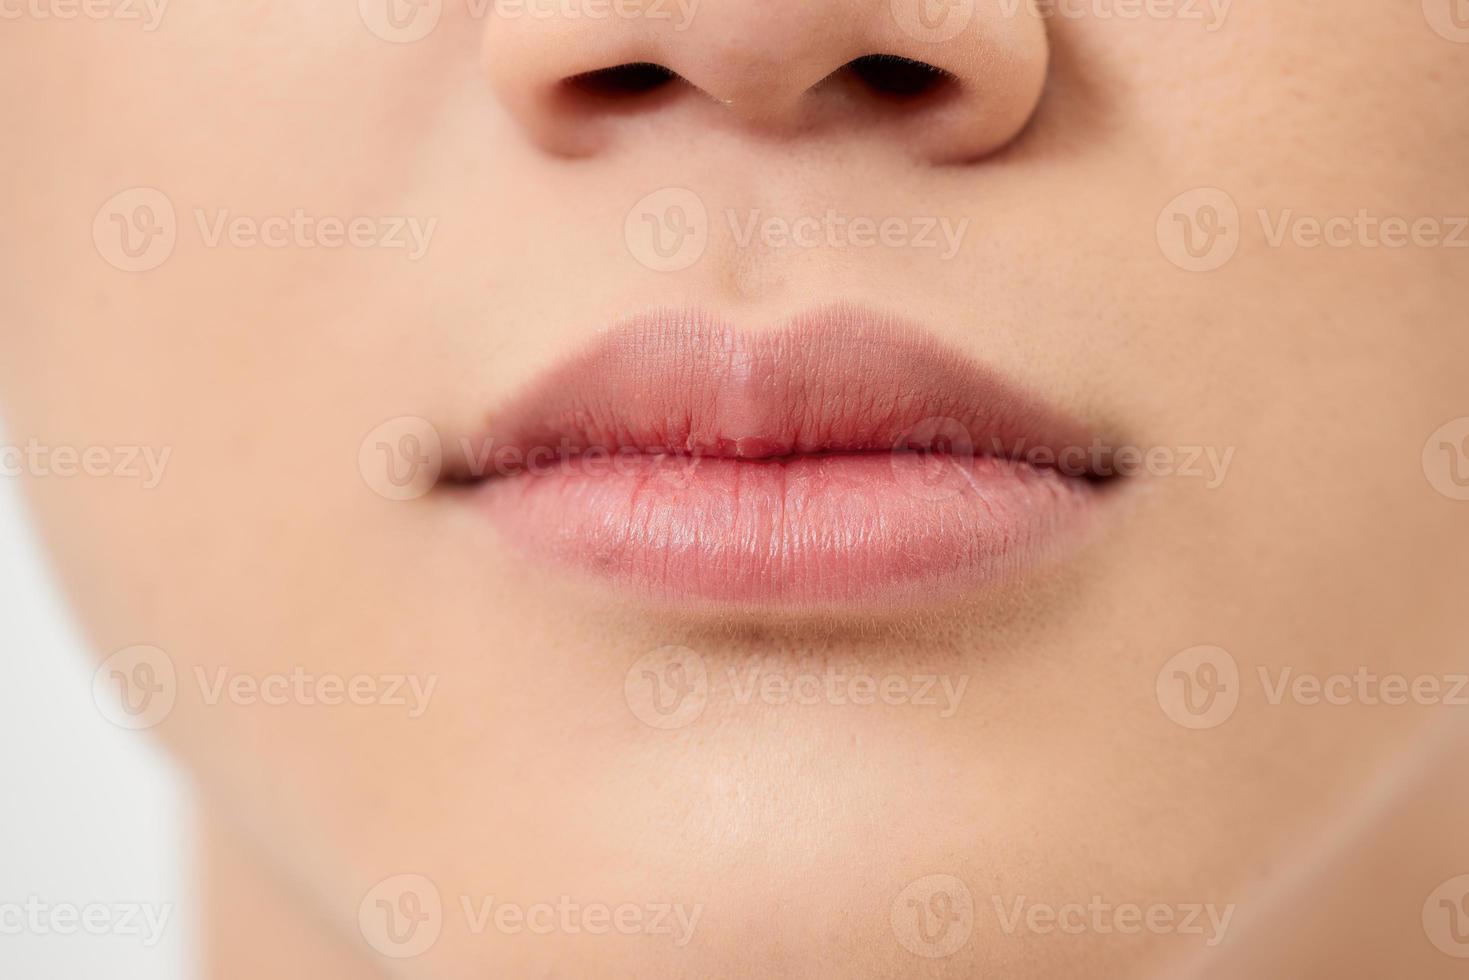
528,411
632,452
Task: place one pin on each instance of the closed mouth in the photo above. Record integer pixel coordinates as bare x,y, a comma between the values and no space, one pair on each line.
845,458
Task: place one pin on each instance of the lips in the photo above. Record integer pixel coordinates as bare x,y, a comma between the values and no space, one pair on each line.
843,459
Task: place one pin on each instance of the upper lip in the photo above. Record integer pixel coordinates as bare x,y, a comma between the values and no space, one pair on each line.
834,381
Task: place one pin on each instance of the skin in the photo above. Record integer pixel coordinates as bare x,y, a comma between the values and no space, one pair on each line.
264,548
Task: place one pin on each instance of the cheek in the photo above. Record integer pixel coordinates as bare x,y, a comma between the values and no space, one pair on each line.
151,313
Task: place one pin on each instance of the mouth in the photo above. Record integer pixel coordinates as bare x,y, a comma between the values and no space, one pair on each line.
844,459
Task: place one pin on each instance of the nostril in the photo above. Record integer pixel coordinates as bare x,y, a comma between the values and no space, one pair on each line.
898,77
622,81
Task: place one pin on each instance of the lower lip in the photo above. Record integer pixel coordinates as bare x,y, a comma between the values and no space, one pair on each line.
804,531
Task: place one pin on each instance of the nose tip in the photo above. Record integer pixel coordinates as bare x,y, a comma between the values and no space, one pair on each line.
948,80
761,58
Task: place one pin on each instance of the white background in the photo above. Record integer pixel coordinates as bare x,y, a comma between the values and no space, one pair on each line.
89,813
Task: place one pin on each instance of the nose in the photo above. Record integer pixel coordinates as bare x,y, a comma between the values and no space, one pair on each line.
948,80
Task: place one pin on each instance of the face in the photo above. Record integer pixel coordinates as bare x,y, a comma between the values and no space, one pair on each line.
821,707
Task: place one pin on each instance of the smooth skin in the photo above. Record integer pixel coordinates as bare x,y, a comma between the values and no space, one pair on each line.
797,827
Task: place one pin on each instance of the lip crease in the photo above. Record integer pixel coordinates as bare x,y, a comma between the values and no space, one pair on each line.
843,459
